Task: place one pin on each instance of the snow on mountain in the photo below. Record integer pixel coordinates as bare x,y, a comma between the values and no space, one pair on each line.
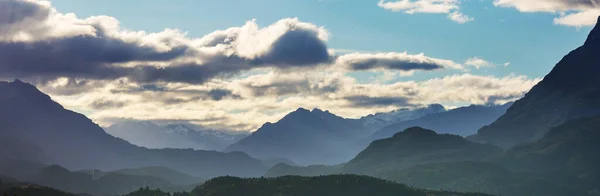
374,122
183,136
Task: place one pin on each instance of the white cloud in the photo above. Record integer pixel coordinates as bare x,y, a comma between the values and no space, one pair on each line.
478,62
460,17
572,12
450,7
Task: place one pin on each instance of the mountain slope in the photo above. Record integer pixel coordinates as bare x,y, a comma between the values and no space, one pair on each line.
416,146
182,136
305,137
462,121
569,91
570,149
74,141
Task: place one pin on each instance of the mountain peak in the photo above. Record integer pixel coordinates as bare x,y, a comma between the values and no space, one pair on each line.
416,132
594,36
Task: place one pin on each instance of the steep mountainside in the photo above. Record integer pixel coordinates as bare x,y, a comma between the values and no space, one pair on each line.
182,136
74,141
462,121
569,91
306,137
570,150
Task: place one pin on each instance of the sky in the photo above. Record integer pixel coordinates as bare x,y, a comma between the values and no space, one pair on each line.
236,64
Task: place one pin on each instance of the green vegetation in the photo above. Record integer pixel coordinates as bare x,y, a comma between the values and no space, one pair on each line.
346,185
171,175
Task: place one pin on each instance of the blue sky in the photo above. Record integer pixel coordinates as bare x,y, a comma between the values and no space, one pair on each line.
529,41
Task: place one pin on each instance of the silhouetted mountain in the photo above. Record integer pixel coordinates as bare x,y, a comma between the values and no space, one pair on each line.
569,91
462,121
306,137
347,185
74,141
416,146
183,136
374,122
570,150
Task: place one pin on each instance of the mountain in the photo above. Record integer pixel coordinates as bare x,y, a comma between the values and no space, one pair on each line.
462,121
182,136
569,91
377,121
416,146
72,140
422,158
347,185
569,150
305,137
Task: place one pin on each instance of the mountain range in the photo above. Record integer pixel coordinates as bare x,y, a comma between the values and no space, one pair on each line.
320,137
72,140
549,136
463,121
150,135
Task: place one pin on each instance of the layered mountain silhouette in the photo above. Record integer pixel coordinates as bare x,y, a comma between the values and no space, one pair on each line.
71,140
150,135
462,121
306,137
569,91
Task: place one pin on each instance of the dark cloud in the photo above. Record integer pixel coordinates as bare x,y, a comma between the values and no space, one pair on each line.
297,48
76,57
284,87
106,104
393,64
219,94
366,101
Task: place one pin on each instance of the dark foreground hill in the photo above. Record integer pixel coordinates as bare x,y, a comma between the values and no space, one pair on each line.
335,185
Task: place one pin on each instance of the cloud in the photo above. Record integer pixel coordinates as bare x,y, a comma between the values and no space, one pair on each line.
40,42
478,62
572,12
394,61
450,7
104,104
460,17
43,44
367,101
